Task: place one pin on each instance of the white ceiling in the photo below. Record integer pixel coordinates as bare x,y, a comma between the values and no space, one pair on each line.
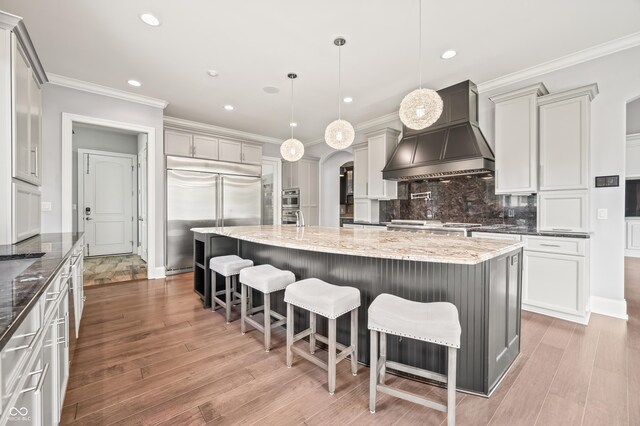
255,43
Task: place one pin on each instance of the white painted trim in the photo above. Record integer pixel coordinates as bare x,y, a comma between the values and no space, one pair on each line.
210,129
584,320
631,253
609,307
590,90
8,21
85,86
538,89
365,125
277,190
67,178
159,272
588,54
633,138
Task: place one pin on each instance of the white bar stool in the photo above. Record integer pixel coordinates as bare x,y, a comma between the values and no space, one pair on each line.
229,267
330,301
266,279
429,322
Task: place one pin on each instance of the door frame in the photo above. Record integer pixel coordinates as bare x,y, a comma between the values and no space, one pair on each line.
153,269
277,187
134,184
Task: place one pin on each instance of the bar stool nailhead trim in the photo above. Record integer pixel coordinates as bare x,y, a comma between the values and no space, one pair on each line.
229,267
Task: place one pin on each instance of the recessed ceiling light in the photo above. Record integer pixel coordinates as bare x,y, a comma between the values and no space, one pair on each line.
293,124
271,89
448,54
149,19
134,83
348,99
212,73
228,107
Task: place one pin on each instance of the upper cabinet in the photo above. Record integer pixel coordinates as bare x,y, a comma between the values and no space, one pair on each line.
185,144
304,174
381,145
360,171
564,139
516,140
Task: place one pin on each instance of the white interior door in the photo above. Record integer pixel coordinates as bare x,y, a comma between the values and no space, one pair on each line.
142,199
108,204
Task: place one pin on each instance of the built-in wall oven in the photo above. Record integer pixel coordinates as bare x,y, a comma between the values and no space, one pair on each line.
288,217
291,199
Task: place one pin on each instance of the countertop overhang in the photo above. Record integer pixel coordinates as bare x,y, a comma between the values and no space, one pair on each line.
377,243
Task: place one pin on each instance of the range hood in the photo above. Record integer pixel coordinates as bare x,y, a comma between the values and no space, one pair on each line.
452,146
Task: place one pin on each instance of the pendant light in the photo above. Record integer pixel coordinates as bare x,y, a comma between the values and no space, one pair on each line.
422,107
292,149
340,133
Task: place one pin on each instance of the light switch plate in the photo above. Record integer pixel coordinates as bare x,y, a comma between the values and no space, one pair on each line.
603,214
46,206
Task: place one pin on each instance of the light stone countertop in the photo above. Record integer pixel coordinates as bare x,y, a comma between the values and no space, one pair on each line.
372,243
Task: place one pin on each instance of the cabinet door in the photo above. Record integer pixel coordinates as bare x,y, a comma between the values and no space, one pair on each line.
35,130
63,331
286,174
563,211
229,150
375,163
178,143
360,173
554,282
633,234
295,174
564,144
204,147
362,210
516,145
22,109
303,182
50,397
313,183
251,154
26,210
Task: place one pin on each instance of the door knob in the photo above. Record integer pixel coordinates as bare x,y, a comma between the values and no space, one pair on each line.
88,218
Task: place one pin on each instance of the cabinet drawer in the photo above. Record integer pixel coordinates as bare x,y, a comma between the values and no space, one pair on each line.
17,350
573,246
496,236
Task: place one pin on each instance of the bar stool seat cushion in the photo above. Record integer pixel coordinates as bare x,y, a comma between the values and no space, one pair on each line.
435,322
328,300
229,265
266,278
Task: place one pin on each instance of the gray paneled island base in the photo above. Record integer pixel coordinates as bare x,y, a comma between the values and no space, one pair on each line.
482,277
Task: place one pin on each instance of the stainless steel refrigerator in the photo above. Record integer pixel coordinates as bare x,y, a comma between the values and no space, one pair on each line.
203,193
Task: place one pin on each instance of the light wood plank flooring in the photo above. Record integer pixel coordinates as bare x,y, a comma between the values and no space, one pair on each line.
149,354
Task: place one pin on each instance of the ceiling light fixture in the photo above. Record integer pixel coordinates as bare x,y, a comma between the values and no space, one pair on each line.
229,107
150,19
212,73
448,54
340,133
348,100
292,149
134,83
270,89
422,107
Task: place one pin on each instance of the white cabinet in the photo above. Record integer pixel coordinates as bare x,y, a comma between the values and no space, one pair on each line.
230,150
304,174
381,145
361,171
516,140
556,277
205,147
632,170
26,210
366,210
563,211
564,139
178,143
632,247
251,154
496,236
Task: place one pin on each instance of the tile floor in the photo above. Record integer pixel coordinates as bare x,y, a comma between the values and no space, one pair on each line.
113,269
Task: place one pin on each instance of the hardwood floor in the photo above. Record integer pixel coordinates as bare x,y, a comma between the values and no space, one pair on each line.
149,354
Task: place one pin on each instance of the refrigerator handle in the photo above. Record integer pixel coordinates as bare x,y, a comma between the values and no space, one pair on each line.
222,200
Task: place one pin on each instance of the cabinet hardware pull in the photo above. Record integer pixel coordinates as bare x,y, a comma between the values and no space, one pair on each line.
66,329
38,386
550,245
28,347
20,336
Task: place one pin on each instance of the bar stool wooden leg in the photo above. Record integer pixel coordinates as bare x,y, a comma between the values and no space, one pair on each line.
332,356
354,342
312,336
451,387
289,334
267,322
383,357
228,301
243,308
373,371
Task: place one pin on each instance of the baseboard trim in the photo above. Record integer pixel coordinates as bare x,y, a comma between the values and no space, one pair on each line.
158,273
631,253
584,320
609,307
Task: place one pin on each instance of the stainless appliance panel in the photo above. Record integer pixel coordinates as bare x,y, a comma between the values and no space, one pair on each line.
210,166
192,201
240,200
291,199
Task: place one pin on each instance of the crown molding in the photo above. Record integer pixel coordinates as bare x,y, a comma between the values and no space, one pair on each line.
591,91
604,49
8,21
15,24
538,89
72,83
194,126
633,139
365,125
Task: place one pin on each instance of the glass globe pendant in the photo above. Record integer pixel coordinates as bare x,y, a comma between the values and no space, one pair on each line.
422,107
292,149
339,134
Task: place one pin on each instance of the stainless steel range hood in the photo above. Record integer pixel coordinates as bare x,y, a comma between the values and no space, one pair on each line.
452,146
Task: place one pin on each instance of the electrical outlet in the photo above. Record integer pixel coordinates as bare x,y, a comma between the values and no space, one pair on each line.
46,206
511,213
603,214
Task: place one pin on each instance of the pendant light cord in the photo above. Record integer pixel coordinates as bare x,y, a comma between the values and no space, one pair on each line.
420,44
291,122
339,82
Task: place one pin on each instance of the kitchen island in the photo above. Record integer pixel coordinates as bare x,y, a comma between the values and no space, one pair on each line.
482,277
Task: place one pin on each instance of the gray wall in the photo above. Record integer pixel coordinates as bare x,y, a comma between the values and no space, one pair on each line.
56,100
99,139
633,117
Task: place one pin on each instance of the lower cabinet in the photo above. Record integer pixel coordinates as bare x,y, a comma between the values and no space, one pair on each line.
563,211
26,210
366,210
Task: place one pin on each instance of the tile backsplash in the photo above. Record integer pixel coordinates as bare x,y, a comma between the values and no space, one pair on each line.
465,199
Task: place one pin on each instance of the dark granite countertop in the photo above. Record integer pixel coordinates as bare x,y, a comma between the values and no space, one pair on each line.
19,291
525,230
